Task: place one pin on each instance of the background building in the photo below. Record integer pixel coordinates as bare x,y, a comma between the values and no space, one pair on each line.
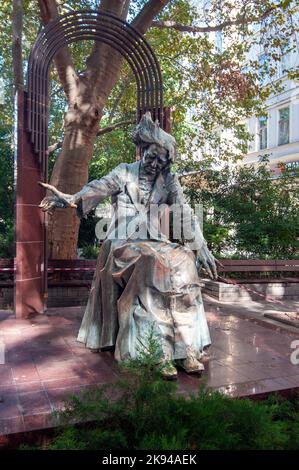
277,133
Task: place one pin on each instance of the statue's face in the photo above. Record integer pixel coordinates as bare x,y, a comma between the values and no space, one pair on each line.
155,159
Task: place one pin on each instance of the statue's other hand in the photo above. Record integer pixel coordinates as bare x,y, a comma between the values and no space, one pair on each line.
207,261
59,200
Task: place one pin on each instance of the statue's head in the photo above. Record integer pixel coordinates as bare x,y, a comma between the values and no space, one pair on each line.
158,148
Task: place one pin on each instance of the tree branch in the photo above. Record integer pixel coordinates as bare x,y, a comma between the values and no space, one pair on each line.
189,173
63,59
101,52
125,9
240,20
52,148
111,128
116,7
17,28
144,19
126,82
102,131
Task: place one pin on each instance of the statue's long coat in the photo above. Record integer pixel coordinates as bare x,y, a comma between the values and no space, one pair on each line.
142,281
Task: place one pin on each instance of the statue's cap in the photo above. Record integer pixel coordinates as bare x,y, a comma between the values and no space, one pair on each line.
148,132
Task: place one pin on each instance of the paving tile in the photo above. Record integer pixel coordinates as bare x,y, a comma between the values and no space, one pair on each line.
62,321
79,351
25,387
47,355
25,373
39,320
252,357
17,356
9,405
38,421
217,353
254,354
103,374
69,382
291,379
250,388
37,335
6,377
34,403
64,362
190,383
289,382
11,425
59,397
52,338
4,389
50,373
266,370
223,375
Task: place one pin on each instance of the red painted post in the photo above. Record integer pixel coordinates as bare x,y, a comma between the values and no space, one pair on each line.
30,288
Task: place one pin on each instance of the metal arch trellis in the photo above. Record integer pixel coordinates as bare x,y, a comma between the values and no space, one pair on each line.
88,25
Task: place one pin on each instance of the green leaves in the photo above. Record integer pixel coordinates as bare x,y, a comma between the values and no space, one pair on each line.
247,213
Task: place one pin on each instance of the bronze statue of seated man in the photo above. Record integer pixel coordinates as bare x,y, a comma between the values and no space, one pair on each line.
145,278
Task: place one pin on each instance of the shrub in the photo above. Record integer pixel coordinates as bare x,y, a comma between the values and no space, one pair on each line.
143,411
248,214
90,251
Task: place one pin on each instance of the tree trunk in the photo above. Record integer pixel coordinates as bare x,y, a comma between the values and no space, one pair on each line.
17,28
70,171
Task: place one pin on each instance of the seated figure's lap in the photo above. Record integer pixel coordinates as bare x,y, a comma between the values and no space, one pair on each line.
164,263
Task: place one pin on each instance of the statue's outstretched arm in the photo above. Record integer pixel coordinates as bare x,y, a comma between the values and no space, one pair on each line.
88,197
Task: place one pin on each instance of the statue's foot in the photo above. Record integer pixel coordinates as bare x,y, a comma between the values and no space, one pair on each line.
168,371
191,365
205,356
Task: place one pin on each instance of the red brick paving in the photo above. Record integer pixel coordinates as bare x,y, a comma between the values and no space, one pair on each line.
44,364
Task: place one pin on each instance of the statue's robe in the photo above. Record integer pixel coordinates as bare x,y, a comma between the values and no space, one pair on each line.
143,281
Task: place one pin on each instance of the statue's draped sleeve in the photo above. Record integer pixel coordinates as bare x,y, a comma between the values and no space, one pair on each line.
176,196
95,191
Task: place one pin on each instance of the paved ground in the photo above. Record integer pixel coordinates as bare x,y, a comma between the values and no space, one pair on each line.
44,363
257,310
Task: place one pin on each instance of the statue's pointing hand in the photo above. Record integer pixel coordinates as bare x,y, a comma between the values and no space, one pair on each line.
59,200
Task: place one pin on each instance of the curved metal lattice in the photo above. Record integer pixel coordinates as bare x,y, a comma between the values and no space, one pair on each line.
89,25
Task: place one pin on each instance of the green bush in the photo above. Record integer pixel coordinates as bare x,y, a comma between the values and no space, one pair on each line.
247,213
143,411
7,236
90,251
7,249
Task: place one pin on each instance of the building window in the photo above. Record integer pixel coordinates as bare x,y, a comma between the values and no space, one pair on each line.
218,41
263,61
284,126
263,138
2,91
284,64
286,56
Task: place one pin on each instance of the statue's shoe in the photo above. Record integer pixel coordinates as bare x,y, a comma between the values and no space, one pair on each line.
205,356
168,371
191,365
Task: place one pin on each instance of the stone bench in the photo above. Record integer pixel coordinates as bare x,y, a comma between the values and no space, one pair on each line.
278,289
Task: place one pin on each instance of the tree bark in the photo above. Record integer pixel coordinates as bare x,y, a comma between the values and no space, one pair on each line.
17,27
87,95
